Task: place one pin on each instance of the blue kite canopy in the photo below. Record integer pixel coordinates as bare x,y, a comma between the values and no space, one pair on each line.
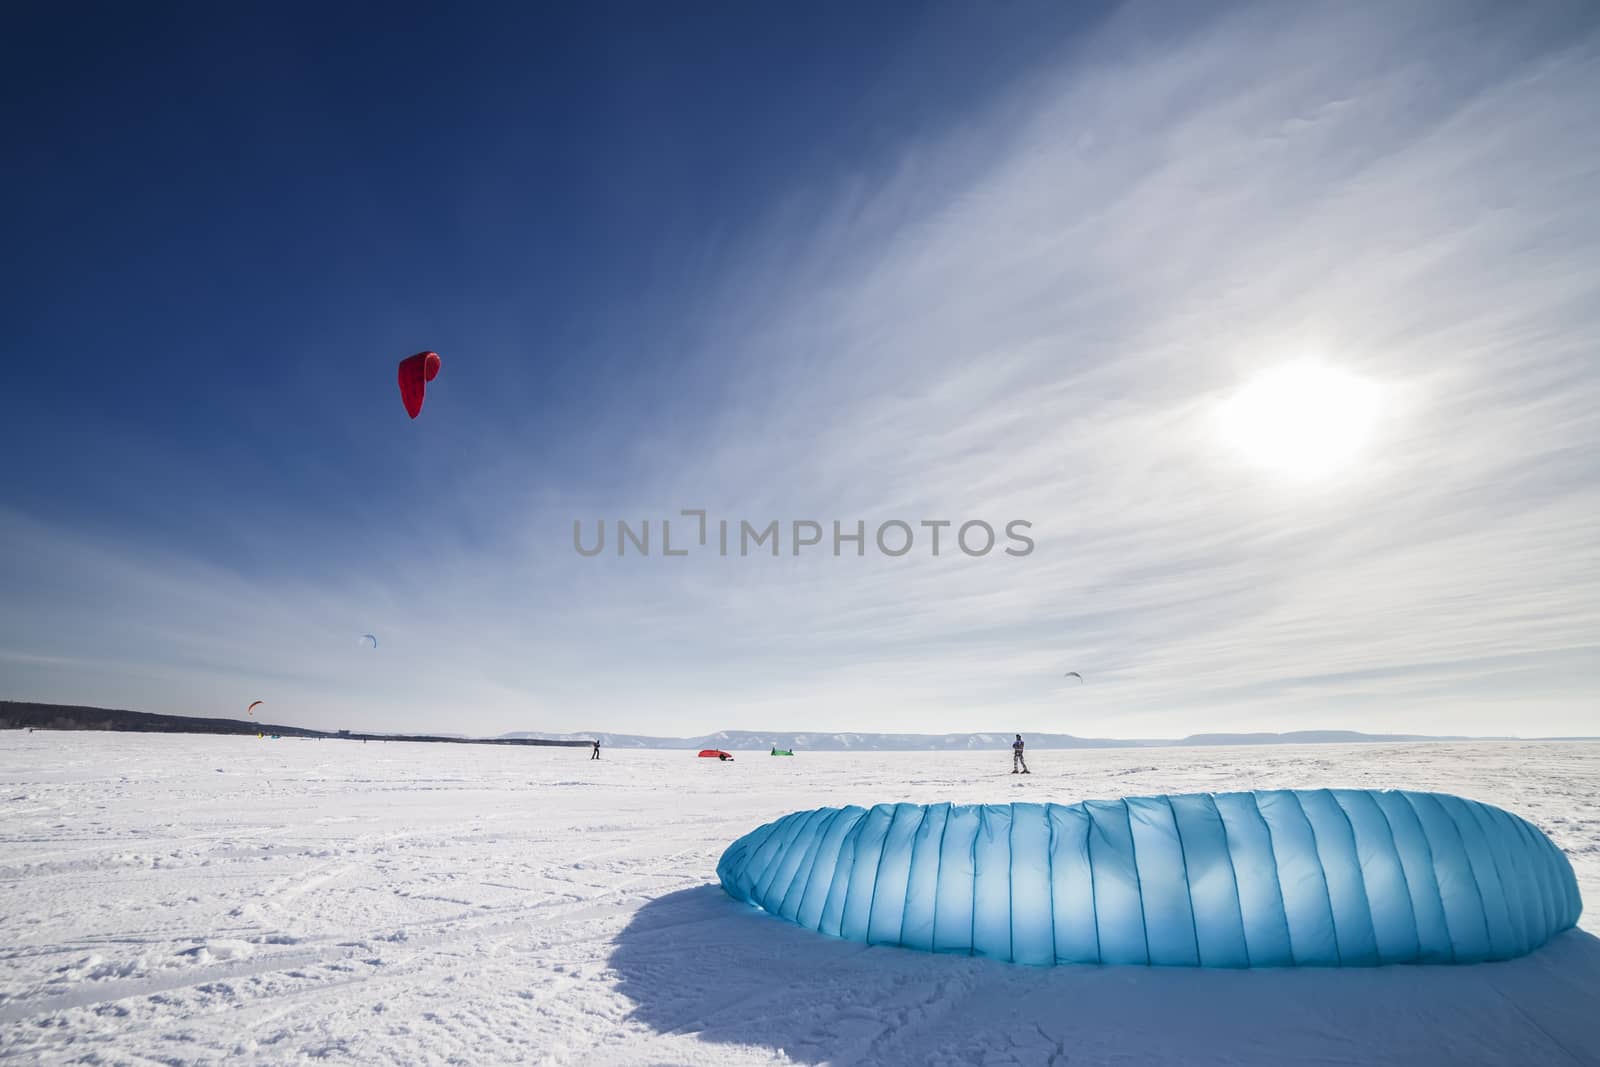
1280,878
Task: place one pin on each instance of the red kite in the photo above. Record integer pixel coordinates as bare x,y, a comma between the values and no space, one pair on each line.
415,374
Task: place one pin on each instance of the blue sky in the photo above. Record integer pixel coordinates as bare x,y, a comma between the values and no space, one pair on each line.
830,262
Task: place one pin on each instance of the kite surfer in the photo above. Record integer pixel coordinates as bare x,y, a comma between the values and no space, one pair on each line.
1018,764
596,749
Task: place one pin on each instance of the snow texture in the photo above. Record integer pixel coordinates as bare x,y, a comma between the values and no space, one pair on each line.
214,900
1280,878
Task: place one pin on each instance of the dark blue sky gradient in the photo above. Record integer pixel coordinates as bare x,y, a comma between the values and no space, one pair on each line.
228,222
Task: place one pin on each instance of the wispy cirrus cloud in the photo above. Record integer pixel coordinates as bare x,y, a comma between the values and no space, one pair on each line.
1036,315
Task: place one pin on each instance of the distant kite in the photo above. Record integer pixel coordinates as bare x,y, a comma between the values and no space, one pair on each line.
1073,674
369,640
251,710
415,374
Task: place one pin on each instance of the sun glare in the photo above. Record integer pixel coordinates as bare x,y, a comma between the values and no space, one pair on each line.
1305,420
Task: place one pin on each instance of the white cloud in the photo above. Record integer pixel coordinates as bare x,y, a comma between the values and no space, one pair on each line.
1036,317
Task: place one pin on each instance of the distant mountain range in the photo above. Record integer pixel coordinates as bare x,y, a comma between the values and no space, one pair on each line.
21,714
756,740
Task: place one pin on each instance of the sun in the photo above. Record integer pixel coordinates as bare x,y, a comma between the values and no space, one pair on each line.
1304,420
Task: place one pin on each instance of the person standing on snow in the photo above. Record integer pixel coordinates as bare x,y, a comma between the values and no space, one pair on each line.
596,750
1018,764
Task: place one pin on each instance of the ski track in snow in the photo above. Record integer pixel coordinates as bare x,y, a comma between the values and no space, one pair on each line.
206,900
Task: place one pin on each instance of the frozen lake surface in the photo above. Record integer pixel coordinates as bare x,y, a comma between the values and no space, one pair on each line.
196,899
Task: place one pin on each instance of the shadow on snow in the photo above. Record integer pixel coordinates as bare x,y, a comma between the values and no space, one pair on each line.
698,963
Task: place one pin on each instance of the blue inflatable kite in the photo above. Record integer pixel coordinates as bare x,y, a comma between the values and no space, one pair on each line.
1283,878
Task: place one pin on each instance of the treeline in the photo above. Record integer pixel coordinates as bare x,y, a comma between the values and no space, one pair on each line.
17,715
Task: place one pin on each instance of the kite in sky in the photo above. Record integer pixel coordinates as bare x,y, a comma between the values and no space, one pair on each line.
415,374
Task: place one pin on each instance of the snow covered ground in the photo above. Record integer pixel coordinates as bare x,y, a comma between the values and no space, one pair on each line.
181,899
